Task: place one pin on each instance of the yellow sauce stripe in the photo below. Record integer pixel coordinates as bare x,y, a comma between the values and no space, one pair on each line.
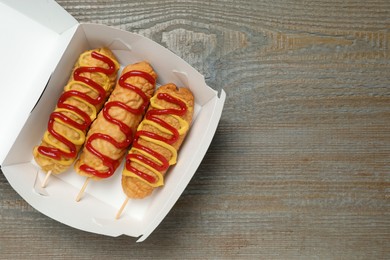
165,145
154,103
92,107
128,173
78,141
81,134
148,155
69,111
183,125
63,161
88,53
105,85
158,126
160,178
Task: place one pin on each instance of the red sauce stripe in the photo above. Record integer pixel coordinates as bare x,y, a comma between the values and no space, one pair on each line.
55,153
152,116
125,129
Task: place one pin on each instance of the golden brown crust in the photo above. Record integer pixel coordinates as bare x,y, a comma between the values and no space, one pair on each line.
102,126
49,164
135,188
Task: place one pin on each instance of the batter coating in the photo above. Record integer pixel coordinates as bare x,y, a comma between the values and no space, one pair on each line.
158,138
91,82
112,132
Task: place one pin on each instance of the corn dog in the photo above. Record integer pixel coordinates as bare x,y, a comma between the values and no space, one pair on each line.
91,82
112,132
157,140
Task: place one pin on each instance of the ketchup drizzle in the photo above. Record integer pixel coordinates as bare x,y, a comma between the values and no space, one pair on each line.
126,130
152,116
56,153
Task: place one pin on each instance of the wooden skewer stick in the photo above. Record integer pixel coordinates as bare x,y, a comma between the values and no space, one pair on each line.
122,208
78,198
43,185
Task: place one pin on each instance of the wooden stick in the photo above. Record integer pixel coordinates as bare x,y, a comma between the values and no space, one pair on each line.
43,185
78,198
122,208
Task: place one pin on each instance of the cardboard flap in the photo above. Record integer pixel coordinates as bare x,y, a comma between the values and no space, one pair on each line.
45,12
32,43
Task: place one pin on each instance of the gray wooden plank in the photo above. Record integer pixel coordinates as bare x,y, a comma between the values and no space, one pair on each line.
299,166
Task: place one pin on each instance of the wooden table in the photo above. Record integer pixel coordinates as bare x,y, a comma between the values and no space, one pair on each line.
299,167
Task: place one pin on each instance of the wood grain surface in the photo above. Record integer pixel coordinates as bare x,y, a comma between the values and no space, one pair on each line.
299,167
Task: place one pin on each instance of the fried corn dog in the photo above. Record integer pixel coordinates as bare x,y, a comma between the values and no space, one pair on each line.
91,82
157,140
112,132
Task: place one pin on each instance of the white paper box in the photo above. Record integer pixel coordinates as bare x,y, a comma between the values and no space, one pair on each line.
40,43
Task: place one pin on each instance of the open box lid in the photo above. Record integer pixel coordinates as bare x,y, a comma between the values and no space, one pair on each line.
34,35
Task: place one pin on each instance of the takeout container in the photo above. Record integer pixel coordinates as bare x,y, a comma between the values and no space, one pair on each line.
40,43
